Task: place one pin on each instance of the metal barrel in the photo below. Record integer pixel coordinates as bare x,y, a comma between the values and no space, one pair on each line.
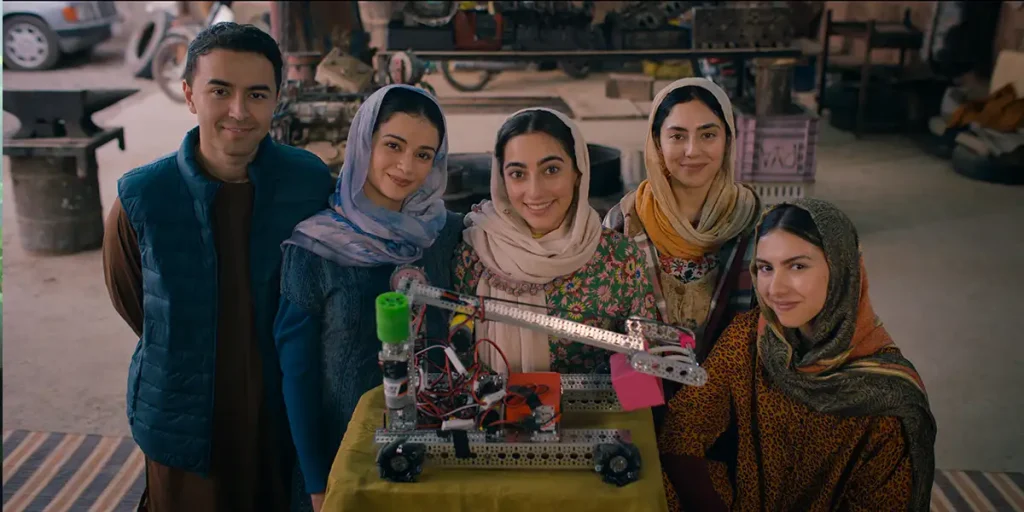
58,212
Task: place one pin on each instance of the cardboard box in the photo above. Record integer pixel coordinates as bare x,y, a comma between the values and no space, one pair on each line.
629,87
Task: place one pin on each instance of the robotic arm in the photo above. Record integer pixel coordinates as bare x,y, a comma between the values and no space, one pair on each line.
669,360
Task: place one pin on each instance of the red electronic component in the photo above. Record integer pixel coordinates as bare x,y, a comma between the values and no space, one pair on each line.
547,386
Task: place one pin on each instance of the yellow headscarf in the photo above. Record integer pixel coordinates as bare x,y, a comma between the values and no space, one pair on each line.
729,209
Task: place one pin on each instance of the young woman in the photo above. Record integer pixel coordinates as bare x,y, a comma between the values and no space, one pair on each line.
387,211
539,242
830,416
694,222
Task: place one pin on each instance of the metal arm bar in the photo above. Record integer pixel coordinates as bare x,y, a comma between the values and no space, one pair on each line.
679,368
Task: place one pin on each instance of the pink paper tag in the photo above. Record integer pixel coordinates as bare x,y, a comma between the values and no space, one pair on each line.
635,390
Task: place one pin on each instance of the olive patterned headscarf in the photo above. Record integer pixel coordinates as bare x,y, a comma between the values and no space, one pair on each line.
852,367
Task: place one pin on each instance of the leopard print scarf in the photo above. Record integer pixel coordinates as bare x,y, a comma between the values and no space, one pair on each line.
852,367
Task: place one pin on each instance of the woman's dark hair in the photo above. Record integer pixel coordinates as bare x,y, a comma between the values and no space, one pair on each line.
535,121
793,220
407,101
686,95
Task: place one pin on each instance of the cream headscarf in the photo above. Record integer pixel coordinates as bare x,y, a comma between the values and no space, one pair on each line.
729,209
508,250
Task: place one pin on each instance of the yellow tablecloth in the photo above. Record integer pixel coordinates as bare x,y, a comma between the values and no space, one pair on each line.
354,484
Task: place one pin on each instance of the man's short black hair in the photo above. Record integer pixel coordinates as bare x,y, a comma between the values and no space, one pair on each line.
239,38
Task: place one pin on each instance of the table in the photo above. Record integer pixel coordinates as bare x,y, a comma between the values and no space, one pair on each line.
354,484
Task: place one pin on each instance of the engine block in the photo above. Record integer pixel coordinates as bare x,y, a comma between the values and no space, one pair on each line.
317,119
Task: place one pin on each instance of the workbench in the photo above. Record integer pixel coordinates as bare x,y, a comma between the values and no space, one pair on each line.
354,484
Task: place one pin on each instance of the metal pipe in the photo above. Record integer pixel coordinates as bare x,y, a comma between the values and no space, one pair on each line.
275,21
483,65
604,54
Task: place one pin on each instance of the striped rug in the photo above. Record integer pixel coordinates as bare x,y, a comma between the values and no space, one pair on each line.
55,472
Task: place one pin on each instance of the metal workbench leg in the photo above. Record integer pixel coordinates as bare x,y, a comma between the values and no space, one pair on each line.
823,61
865,75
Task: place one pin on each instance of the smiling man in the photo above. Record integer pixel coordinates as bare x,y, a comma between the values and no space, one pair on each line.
192,257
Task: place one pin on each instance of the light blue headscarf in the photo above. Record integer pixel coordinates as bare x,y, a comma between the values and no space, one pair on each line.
356,232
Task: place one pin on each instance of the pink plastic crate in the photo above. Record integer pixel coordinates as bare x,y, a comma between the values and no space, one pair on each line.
778,148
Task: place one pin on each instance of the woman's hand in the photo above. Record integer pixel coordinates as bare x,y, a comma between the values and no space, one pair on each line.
318,501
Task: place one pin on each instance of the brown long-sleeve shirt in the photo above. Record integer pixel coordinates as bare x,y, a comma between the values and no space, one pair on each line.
789,456
246,473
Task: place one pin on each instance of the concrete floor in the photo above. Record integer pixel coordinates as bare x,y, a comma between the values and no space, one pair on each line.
945,256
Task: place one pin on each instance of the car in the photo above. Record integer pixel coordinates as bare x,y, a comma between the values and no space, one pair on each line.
37,34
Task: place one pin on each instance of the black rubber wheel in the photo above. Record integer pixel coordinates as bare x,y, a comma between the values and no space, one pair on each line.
167,71
485,79
1006,169
138,55
29,44
575,69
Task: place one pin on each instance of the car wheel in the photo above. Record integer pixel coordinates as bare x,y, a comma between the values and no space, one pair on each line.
29,44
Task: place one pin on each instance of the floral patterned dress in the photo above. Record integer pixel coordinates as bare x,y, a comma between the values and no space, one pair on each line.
610,288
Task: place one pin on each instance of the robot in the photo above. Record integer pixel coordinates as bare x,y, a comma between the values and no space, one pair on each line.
446,406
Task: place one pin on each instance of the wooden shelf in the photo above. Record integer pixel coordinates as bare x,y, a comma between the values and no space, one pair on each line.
902,36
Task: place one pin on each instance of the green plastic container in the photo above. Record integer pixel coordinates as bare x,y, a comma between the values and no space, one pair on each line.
392,317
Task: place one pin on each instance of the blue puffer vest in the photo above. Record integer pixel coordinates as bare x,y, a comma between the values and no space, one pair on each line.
169,203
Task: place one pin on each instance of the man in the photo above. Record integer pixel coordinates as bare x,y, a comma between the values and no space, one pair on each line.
191,258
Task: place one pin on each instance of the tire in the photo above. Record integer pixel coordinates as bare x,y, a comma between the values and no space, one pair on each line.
24,38
166,72
138,55
1000,170
575,69
466,87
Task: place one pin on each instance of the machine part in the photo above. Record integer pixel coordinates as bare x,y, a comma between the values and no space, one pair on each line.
430,14
396,359
534,402
408,272
589,393
464,83
392,315
677,370
313,113
138,55
575,450
581,392
345,72
169,61
545,417
618,463
660,333
683,369
301,66
405,68
510,314
401,461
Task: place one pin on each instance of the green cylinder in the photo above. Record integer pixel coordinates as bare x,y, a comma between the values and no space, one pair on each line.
392,317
